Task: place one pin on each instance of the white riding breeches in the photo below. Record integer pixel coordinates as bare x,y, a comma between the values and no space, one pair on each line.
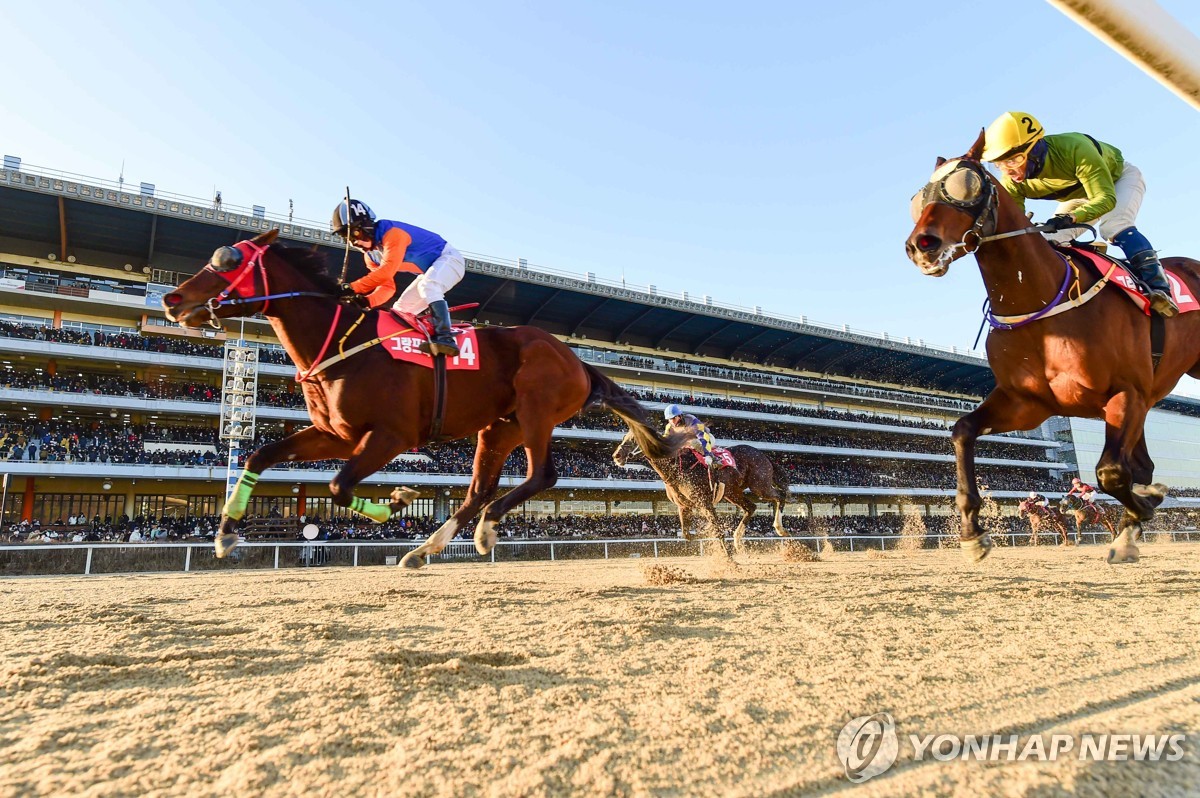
1130,188
442,275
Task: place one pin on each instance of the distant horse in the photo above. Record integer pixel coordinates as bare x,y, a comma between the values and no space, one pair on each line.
367,408
688,486
1086,513
1040,516
1091,362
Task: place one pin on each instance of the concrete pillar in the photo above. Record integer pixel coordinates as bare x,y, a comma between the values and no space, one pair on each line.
27,501
129,504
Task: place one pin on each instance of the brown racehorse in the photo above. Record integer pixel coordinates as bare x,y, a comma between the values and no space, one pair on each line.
1086,513
1048,516
1092,361
689,488
368,408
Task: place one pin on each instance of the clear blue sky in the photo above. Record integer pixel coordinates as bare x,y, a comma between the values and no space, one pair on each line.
763,153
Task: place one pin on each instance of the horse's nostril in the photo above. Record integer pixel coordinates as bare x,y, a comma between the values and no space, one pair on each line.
171,300
925,243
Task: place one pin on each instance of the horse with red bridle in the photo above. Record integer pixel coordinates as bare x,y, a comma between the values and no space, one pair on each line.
1057,347
367,407
1039,516
1086,513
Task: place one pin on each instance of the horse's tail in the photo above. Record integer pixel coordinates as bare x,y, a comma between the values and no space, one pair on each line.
613,397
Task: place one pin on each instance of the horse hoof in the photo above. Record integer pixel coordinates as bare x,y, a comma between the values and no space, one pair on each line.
402,497
976,549
413,561
485,537
1123,554
225,543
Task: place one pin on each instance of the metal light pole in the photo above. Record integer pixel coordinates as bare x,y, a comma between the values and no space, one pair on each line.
239,395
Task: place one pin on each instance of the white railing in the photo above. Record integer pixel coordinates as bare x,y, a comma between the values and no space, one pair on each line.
112,558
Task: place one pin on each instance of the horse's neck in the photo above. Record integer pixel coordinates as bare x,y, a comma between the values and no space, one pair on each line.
1021,274
302,326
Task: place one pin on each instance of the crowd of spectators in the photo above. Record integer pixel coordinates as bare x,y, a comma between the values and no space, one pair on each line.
156,529
133,341
115,385
116,442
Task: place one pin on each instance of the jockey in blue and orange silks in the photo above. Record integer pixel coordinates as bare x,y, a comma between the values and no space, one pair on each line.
678,421
392,248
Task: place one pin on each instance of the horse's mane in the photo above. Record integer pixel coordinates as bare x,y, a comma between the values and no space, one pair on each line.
312,263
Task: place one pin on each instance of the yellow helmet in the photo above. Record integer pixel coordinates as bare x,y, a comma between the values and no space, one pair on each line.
1010,134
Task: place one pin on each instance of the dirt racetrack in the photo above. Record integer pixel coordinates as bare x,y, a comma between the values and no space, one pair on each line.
590,678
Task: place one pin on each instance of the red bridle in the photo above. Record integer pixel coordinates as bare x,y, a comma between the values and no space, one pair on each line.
252,255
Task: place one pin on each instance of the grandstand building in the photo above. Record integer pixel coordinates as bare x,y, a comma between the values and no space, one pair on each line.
106,409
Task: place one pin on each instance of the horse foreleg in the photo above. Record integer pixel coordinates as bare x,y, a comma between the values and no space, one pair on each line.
491,450
999,412
374,451
778,523
1124,417
309,443
747,507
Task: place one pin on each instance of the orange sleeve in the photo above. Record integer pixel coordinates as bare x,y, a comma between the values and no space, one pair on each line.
393,248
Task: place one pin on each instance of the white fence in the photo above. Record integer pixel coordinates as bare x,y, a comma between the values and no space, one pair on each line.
117,558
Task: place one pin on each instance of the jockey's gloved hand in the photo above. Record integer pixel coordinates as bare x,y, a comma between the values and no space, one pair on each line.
346,292
1060,221
708,461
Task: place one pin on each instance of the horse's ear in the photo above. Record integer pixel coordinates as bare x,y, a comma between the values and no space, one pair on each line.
939,163
976,151
267,238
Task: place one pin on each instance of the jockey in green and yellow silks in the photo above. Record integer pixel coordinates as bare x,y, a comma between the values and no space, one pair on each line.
1092,182
702,439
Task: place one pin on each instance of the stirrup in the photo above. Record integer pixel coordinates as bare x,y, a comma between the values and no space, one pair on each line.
435,347
1162,304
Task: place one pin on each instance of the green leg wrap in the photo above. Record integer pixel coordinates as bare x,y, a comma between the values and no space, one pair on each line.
376,512
235,505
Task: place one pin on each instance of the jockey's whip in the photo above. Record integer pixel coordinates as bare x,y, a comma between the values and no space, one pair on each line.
346,259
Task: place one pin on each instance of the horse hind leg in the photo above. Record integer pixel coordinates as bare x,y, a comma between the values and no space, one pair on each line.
492,449
539,476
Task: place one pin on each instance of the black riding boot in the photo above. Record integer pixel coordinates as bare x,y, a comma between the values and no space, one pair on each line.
443,342
1146,266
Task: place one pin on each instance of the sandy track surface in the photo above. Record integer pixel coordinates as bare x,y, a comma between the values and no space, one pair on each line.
589,678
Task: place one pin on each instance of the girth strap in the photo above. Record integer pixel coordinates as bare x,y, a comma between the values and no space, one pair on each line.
439,397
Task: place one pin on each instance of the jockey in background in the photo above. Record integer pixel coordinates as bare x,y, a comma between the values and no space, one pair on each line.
1085,492
1038,499
1092,182
392,248
678,421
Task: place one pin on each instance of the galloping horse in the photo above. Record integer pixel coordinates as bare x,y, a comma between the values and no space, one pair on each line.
1049,516
368,408
1086,513
1093,361
692,492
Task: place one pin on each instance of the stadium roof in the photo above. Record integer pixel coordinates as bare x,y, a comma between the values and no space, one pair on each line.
107,224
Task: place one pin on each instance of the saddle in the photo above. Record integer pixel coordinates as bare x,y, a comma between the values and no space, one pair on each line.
405,337
1131,285
719,453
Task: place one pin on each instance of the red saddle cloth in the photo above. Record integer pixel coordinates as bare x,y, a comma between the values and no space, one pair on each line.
719,453
406,346
1121,277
